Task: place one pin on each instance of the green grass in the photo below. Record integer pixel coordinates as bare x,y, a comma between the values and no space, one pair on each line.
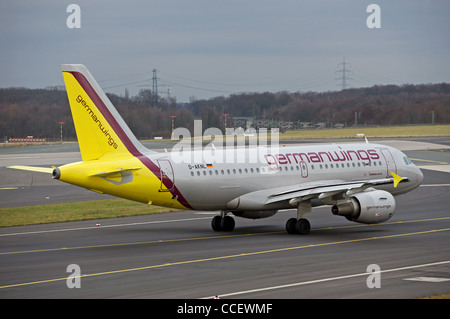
385,131
54,213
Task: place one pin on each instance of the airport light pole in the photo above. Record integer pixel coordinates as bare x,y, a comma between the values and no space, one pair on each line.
172,117
225,124
61,125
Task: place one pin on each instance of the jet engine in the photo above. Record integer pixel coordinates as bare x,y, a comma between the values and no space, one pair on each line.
370,207
254,214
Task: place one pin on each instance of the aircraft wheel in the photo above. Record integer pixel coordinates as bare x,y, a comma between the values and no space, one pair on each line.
290,225
302,226
215,223
227,223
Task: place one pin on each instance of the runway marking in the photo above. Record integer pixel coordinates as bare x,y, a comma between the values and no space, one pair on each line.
438,168
435,185
17,157
103,226
277,250
424,160
332,279
428,279
159,241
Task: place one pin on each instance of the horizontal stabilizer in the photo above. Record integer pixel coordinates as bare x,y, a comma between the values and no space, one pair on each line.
48,170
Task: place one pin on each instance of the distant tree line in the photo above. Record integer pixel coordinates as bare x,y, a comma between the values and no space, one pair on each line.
37,112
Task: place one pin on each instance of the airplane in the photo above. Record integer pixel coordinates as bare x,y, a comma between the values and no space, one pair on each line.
358,180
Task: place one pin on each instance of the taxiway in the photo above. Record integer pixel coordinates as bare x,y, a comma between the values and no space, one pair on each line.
177,255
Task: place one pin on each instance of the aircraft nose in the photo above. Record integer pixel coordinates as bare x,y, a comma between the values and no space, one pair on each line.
419,176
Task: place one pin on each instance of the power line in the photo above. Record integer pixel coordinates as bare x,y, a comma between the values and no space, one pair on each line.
154,83
343,72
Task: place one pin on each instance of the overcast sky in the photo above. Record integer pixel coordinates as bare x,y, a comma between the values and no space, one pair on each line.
207,48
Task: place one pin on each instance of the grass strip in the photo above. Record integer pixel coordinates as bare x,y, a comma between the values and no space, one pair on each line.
55,213
385,131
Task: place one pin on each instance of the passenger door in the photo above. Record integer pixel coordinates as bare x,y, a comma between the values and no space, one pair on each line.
167,175
390,162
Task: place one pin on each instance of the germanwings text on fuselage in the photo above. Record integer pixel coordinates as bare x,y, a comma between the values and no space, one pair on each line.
321,157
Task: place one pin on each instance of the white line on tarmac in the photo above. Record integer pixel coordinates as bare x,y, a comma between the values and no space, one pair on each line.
325,280
102,226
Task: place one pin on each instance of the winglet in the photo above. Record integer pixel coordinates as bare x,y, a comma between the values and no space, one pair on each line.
397,179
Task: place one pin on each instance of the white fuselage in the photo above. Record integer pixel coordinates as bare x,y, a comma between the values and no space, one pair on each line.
219,176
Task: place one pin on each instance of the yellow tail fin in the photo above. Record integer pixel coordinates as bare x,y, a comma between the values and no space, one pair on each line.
100,129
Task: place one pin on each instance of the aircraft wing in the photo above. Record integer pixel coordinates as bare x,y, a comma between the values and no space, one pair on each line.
326,189
271,198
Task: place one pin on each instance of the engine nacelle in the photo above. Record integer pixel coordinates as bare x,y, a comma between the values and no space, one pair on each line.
255,214
368,207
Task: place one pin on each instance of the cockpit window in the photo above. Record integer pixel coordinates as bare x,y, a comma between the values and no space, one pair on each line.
407,160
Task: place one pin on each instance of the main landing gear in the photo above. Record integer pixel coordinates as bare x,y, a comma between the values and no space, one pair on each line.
300,225
222,222
297,225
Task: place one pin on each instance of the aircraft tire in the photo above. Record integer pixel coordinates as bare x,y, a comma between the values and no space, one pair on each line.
290,226
215,223
227,223
302,226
